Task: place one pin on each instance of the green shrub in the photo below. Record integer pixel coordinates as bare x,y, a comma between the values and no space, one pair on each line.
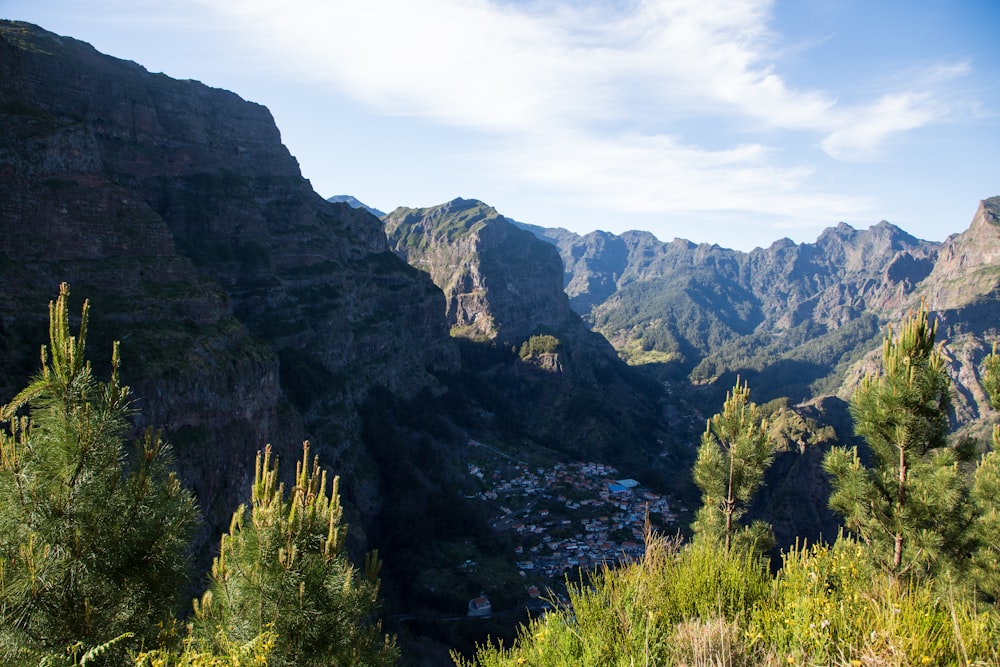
832,605
282,568
633,615
539,344
93,537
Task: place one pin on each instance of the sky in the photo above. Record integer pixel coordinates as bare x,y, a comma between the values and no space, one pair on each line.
736,122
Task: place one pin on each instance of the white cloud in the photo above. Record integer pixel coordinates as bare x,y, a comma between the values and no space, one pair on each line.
466,62
593,98
662,175
863,132
481,64
517,67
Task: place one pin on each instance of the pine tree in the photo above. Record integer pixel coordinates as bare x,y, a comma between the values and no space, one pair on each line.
735,453
911,506
283,569
986,496
93,538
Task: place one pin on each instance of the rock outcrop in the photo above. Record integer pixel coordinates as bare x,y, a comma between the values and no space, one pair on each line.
500,283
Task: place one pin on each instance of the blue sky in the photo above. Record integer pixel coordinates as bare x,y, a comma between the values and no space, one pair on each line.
735,122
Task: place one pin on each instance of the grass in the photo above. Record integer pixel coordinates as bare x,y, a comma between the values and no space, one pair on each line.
692,605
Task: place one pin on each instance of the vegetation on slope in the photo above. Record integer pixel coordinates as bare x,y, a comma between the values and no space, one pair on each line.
695,605
95,539
912,582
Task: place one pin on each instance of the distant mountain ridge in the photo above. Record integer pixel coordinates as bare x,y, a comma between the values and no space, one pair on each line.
354,202
705,312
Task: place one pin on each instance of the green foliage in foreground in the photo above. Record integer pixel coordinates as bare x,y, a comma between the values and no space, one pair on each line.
735,452
93,537
911,505
283,569
692,605
220,652
94,542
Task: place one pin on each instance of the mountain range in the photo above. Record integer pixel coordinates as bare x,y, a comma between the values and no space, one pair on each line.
251,310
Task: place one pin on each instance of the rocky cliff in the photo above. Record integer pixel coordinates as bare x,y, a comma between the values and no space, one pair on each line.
504,291
500,283
251,310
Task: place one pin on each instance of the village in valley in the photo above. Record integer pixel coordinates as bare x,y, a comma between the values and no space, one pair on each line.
562,518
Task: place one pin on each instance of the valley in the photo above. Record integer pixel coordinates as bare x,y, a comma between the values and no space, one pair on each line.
505,404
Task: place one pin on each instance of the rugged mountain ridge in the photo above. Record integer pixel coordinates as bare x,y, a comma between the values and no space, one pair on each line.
705,312
503,289
253,311
694,298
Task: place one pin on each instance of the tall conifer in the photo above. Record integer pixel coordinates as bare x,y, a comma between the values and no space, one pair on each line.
735,453
910,505
93,539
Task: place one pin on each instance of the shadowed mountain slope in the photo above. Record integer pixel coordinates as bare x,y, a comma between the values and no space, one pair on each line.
251,310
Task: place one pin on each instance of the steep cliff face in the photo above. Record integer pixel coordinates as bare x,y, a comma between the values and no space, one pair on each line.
844,274
963,291
252,310
500,283
968,267
504,291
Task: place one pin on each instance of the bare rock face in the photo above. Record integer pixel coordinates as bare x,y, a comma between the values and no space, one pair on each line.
968,266
844,274
504,293
251,310
500,282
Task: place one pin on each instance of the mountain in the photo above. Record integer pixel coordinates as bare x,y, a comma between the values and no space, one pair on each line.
792,318
354,202
503,292
963,289
251,310
678,303
497,279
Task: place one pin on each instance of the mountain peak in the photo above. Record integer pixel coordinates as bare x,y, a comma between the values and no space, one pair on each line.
980,243
354,202
987,217
965,270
